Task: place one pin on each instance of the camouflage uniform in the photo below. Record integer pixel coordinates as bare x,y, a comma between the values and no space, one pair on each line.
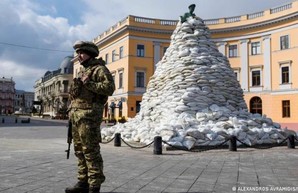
86,109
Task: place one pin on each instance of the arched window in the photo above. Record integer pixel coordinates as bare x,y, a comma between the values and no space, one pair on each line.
256,105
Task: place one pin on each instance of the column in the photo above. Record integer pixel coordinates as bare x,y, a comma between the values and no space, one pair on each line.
156,46
267,62
244,64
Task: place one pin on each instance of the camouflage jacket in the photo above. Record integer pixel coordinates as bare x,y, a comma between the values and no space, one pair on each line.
95,92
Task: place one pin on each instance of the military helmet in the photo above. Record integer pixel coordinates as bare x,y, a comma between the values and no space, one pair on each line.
88,47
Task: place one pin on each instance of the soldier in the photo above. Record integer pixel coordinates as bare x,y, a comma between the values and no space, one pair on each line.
89,93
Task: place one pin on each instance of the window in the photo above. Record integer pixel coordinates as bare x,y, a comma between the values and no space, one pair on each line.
120,79
255,48
107,58
232,51
113,55
138,106
140,50
284,42
286,108
140,79
285,75
121,52
256,105
256,77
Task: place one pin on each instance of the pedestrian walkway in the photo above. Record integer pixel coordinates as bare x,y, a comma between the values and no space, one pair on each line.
32,159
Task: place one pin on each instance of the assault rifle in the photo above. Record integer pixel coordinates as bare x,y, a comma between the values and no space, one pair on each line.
69,138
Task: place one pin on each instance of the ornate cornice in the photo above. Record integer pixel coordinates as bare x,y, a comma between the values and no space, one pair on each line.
134,28
151,30
255,25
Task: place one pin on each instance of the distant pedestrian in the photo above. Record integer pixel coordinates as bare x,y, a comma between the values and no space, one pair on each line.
89,93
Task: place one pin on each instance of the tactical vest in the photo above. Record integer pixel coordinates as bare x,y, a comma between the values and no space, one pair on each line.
87,99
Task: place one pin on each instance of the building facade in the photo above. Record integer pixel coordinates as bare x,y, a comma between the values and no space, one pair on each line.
261,48
7,93
51,91
23,102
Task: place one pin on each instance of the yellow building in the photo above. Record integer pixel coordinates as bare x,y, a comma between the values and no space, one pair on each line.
261,49
260,46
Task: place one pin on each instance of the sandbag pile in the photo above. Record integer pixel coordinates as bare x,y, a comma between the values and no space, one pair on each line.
194,98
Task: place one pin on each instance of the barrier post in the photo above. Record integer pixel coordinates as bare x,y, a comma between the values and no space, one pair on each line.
233,143
291,141
117,140
3,120
157,145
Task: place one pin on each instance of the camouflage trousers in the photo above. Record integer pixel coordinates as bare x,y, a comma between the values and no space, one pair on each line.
86,134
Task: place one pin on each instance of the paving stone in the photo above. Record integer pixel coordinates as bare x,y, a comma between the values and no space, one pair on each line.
38,165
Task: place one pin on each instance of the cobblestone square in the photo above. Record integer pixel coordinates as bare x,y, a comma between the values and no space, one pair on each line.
32,159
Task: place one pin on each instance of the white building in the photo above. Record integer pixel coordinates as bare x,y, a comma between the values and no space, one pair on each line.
51,91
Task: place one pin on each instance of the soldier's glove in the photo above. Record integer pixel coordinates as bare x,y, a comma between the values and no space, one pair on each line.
77,87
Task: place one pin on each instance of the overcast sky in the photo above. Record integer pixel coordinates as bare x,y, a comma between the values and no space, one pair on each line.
36,35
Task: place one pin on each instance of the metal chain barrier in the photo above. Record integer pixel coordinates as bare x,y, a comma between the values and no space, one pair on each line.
196,150
207,148
136,147
263,147
106,142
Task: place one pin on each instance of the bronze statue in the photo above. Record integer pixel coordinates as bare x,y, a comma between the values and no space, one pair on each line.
188,14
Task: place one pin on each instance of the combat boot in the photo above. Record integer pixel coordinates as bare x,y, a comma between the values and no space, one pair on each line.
94,189
80,187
